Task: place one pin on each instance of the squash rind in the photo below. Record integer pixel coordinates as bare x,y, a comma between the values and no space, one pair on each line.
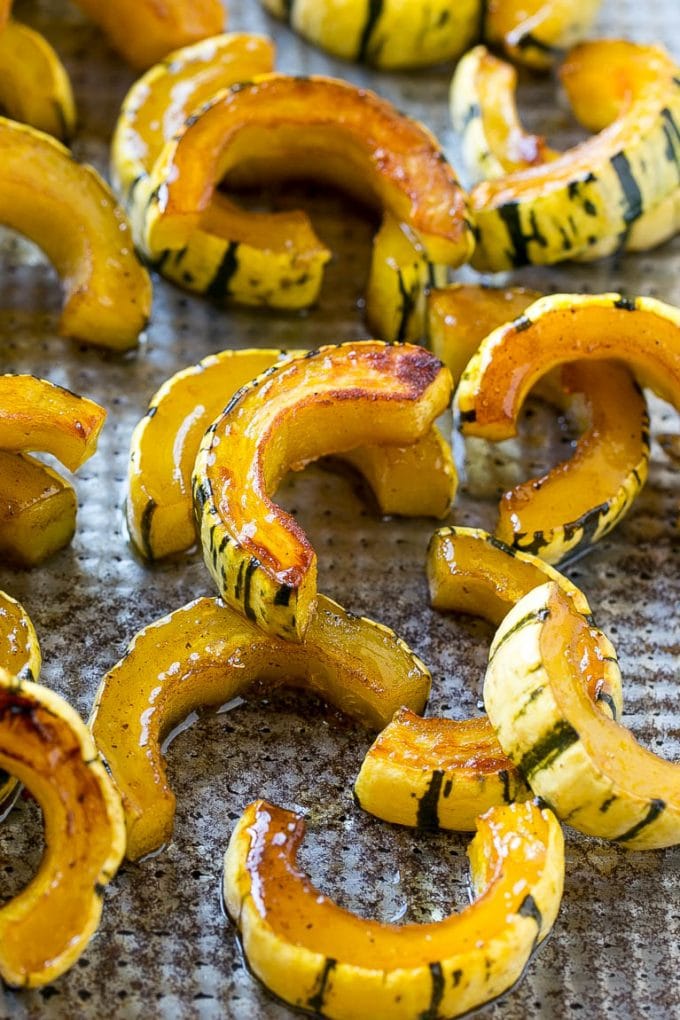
205,654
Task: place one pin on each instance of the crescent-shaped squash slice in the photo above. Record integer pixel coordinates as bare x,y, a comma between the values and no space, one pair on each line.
144,31
278,127
587,202
34,84
642,332
590,768
20,656
390,34
484,110
325,403
277,258
166,441
46,746
68,210
206,654
37,510
441,773
535,32
37,415
581,499
323,959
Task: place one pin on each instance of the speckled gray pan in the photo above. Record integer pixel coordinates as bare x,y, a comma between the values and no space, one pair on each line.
164,947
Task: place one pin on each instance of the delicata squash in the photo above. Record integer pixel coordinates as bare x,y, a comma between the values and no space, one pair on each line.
258,555
279,258
205,654
166,441
34,85
588,201
323,959
484,111
442,773
20,656
412,33
544,657
279,127
37,506
46,746
144,31
69,211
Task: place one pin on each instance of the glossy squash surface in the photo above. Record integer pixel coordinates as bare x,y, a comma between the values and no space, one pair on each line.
37,510
34,84
204,655
534,32
321,958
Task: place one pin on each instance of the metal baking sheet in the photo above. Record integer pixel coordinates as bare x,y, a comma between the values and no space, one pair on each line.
164,947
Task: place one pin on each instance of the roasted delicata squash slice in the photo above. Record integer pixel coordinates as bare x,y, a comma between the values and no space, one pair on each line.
67,209
34,84
323,959
37,510
581,499
258,555
484,111
279,258
535,32
166,441
461,315
442,773
605,194
544,658
37,506
204,655
390,35
20,656
280,127
144,31
46,746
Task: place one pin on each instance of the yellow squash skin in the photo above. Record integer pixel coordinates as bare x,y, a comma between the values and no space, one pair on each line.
277,127
442,773
205,654
588,767
69,212
34,84
581,499
46,746
279,258
484,111
320,958
641,331
166,441
144,31
37,510
534,32
594,199
258,555
20,656
37,415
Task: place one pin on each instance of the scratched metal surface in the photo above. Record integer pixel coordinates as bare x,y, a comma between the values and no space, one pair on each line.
164,947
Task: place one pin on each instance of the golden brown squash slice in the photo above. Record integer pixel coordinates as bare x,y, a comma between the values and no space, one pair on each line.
544,658
143,31
166,441
321,958
534,32
206,654
37,510
278,127
259,557
441,773
391,34
46,746
68,210
19,646
278,256
34,84
595,198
